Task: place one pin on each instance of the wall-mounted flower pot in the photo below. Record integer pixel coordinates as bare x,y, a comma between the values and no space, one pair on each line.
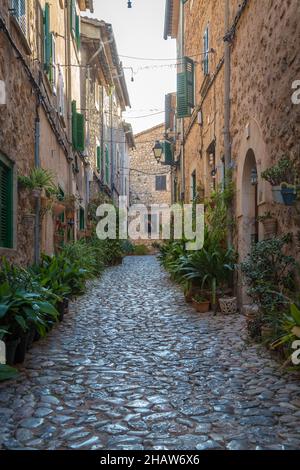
277,196
201,307
289,196
228,305
270,228
36,193
58,209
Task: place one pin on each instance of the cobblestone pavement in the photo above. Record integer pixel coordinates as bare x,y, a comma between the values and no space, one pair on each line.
134,367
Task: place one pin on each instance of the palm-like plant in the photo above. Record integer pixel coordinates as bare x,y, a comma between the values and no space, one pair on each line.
39,178
212,268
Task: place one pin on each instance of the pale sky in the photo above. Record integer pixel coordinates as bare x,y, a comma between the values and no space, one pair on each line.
139,33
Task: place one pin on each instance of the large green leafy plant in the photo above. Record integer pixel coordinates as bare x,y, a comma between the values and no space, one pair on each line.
270,278
20,310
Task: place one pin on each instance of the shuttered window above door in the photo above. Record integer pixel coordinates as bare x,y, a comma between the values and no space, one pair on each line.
6,206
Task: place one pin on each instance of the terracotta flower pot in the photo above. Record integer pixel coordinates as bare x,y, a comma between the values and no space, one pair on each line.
58,209
201,307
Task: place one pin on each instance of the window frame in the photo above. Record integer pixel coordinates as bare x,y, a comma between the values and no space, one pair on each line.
160,187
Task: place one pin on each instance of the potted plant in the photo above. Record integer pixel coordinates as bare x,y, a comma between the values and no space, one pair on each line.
212,267
19,311
269,223
201,304
289,193
39,181
283,171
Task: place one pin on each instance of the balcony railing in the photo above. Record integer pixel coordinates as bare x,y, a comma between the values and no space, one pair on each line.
18,9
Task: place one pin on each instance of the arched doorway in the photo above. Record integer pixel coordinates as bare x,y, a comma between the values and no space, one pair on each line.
249,202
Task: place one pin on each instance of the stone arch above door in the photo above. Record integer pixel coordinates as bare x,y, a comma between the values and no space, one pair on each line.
252,140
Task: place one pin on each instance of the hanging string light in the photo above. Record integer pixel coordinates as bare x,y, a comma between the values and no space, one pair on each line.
129,4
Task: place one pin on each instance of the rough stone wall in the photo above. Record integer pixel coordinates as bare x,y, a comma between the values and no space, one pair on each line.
265,63
17,121
142,181
198,15
143,170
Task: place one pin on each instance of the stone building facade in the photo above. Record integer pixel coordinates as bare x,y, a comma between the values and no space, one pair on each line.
150,181
105,97
47,121
241,118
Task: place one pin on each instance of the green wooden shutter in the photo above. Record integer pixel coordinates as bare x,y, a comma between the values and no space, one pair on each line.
190,86
99,158
185,89
168,99
80,132
168,152
6,206
73,17
106,165
47,38
81,219
182,107
74,125
77,31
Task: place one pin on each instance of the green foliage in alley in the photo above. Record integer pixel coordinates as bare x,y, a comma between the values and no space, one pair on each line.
32,300
211,267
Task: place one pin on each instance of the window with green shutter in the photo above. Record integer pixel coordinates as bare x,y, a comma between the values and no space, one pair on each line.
47,39
78,134
81,219
107,166
99,158
77,31
6,206
168,153
185,89
75,23
73,17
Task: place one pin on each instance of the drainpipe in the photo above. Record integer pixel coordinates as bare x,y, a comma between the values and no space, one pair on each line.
111,147
69,90
182,119
227,90
37,163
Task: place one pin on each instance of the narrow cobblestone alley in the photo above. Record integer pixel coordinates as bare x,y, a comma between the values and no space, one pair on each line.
134,367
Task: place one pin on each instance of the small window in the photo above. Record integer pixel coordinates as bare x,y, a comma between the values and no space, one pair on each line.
19,11
161,183
6,205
